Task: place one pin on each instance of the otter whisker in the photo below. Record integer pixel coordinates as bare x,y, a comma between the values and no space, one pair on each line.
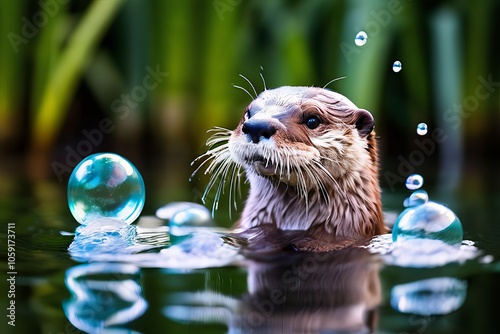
219,130
320,184
330,176
211,155
262,77
220,173
288,153
220,135
302,187
243,89
239,180
234,186
333,80
250,83
217,159
215,169
223,178
220,166
214,140
234,183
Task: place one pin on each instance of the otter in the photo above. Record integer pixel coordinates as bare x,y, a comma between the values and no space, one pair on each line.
310,157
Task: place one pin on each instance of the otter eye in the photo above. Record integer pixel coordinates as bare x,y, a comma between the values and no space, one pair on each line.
312,122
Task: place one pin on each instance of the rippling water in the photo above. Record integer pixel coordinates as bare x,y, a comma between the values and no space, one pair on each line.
143,280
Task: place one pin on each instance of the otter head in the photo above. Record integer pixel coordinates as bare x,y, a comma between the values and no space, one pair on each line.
303,137
310,157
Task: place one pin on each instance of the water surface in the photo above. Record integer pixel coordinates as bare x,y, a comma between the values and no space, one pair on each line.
353,291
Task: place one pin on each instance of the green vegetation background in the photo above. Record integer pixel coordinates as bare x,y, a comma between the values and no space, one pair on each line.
68,66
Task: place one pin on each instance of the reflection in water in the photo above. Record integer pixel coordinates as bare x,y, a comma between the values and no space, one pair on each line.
103,295
295,293
435,296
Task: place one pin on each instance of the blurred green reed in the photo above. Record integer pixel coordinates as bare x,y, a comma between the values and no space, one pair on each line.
100,50
70,62
11,72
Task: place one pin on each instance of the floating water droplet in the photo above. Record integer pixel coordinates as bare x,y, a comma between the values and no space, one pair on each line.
184,217
414,181
428,221
418,197
361,38
105,185
397,66
421,129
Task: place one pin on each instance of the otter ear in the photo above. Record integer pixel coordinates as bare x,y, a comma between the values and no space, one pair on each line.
364,122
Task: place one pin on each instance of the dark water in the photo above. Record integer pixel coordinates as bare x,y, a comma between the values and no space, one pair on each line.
343,292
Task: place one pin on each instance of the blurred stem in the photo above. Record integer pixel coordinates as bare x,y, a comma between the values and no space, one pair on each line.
219,67
47,50
11,59
295,51
447,76
63,81
365,65
174,50
413,54
173,53
478,37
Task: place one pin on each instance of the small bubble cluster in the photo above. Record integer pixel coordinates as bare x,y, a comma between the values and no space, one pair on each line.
361,38
424,219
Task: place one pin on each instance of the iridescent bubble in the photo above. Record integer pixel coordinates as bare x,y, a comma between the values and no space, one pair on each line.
361,38
418,197
397,66
414,181
105,185
421,129
428,221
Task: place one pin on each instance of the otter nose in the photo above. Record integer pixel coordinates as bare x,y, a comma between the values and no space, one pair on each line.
258,129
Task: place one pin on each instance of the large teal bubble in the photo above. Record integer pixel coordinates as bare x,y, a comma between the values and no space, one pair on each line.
430,220
105,185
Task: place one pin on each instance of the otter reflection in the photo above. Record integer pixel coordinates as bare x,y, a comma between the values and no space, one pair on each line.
313,292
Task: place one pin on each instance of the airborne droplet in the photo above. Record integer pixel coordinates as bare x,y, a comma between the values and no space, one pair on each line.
361,38
418,197
421,129
397,66
414,181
